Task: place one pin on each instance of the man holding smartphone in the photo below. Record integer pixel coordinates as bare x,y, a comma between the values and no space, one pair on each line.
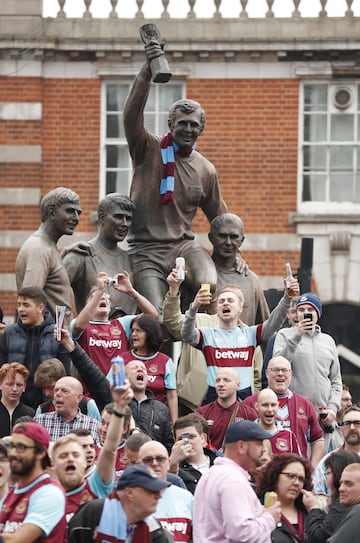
313,357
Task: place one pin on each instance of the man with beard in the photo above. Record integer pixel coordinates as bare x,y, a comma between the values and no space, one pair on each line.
70,461
34,509
350,427
84,260
241,516
335,439
38,261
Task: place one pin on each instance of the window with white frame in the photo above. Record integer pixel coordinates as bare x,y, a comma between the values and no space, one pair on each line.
330,143
116,162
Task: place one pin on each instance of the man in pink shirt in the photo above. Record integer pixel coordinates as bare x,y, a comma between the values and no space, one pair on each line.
226,508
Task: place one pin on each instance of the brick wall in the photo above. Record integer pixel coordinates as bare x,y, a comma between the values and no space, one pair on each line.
251,136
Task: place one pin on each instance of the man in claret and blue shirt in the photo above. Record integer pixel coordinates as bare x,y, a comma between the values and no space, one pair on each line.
34,510
174,509
228,345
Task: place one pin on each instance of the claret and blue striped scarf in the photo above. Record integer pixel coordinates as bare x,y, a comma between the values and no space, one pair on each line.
168,149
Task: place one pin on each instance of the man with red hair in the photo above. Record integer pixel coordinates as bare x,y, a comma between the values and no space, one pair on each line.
13,378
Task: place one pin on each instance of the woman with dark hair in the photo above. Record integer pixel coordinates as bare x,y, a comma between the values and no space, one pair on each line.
287,475
146,340
319,524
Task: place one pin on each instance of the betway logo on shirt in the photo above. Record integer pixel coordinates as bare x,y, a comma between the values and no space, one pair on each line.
231,354
180,529
105,343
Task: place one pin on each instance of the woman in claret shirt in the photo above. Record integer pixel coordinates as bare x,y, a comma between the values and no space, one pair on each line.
146,340
287,475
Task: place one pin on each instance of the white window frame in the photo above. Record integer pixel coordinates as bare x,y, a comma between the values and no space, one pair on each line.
319,207
115,141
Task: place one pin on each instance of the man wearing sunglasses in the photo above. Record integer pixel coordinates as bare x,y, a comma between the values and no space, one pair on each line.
350,428
34,510
174,509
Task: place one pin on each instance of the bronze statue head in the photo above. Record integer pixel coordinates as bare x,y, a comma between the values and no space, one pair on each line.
56,198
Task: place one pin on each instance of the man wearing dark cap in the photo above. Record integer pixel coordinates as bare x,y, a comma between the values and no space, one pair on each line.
120,517
226,509
34,510
117,311
313,357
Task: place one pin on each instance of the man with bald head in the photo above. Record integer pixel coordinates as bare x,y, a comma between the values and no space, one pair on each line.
67,416
295,411
226,409
282,439
174,509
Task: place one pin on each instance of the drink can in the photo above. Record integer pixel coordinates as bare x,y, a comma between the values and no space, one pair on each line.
118,371
270,498
180,268
205,286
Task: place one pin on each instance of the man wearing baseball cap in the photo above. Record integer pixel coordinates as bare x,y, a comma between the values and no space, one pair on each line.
226,508
34,510
313,357
120,517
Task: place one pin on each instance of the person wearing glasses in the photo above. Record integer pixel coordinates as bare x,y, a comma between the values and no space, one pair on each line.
34,510
295,412
287,475
350,428
174,509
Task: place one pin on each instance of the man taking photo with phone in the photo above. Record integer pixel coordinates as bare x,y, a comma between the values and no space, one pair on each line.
313,357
